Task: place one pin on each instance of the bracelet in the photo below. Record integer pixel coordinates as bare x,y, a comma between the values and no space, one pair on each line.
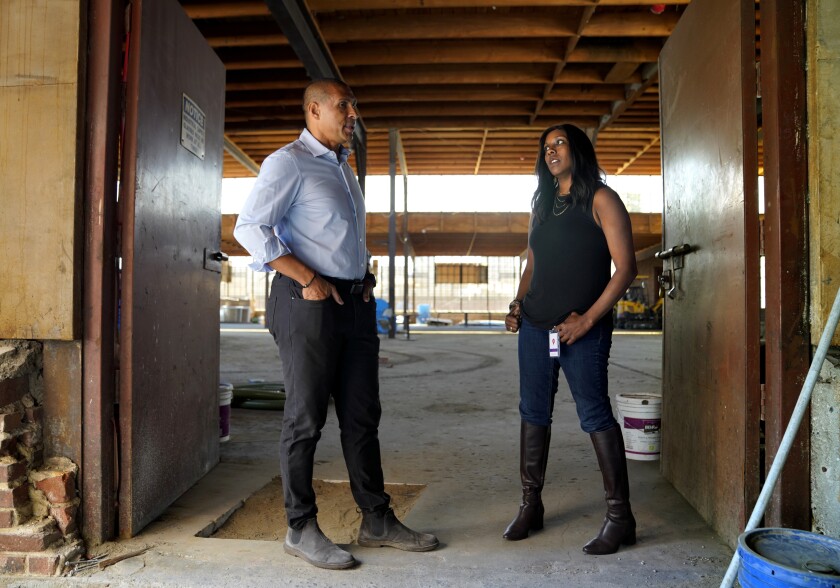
514,302
312,279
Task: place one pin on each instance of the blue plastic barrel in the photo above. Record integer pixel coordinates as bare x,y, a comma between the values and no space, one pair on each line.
788,557
423,311
381,322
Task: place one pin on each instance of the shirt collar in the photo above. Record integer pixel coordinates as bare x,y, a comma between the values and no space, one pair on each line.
318,149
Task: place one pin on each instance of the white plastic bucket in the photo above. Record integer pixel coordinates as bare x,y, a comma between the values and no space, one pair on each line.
640,417
225,398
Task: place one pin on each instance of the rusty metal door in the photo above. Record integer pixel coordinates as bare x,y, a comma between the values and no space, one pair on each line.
711,394
169,292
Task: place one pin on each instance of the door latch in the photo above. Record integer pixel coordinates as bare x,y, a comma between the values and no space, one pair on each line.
669,280
213,260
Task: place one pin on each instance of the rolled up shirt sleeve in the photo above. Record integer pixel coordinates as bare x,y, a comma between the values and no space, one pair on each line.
261,219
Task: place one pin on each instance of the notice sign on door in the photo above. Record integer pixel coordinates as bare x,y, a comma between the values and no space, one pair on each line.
193,123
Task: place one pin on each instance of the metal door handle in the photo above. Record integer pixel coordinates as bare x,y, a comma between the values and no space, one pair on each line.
219,256
665,286
669,280
674,251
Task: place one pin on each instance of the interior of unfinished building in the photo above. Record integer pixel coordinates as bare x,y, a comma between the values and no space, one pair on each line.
125,301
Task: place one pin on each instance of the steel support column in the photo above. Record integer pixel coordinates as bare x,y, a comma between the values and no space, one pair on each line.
787,333
97,476
392,231
298,24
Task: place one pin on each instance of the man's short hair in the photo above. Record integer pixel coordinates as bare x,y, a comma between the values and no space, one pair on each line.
318,90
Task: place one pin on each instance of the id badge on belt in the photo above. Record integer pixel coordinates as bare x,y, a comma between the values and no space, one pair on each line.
553,343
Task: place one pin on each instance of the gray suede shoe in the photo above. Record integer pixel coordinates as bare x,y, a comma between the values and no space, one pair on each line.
382,529
312,546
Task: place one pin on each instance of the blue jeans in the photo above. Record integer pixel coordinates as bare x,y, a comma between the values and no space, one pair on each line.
584,364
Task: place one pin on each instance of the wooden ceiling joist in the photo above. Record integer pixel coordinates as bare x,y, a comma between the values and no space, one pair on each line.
356,5
469,84
428,25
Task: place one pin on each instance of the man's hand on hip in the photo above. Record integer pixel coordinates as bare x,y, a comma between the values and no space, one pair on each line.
368,290
320,289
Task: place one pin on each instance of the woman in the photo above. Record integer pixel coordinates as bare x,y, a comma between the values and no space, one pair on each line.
578,225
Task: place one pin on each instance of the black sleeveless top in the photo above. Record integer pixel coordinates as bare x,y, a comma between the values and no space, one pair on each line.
571,267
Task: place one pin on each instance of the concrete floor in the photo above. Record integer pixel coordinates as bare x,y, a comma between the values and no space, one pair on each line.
450,421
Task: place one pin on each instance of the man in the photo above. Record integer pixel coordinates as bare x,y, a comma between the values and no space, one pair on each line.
305,218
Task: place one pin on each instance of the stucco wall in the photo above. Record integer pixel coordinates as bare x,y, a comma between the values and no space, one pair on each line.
823,47
825,451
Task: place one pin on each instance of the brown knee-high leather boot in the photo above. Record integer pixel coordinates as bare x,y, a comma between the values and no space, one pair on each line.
533,457
619,526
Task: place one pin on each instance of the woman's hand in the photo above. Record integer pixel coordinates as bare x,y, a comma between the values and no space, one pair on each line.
573,328
513,319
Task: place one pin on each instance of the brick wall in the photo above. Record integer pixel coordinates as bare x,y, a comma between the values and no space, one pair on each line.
38,498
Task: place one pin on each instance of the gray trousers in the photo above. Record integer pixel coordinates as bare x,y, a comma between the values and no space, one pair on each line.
327,349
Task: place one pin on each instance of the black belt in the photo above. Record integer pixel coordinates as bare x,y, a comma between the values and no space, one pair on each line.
352,286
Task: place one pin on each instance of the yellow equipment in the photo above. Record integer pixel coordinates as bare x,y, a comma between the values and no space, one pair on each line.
634,312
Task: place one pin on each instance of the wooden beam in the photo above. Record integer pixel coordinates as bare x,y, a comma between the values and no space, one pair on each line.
342,5
453,74
423,93
649,74
434,110
571,109
432,149
455,222
631,24
255,102
444,109
245,64
620,72
425,25
468,74
587,92
297,84
444,134
246,40
447,51
639,51
480,152
641,152
561,63
236,152
226,10
456,123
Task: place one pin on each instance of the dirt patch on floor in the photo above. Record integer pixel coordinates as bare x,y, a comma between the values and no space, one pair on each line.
263,517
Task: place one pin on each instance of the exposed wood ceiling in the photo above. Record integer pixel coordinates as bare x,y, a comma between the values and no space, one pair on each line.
470,84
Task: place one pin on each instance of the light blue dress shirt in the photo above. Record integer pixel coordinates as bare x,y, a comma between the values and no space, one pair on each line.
306,201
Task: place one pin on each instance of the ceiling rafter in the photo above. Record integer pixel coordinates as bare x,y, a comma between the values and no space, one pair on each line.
558,68
480,152
341,5
650,74
203,10
450,75
632,160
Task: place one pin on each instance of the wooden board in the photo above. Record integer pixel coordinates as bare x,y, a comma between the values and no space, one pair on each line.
39,170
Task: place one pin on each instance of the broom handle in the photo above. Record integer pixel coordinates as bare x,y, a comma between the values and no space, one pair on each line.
790,433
